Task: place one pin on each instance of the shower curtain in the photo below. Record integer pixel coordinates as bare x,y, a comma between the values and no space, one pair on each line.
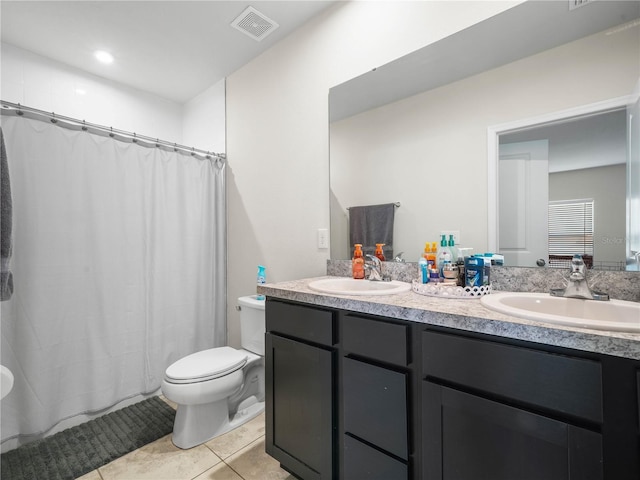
118,266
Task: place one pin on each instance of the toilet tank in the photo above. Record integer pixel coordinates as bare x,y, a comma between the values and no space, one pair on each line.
252,324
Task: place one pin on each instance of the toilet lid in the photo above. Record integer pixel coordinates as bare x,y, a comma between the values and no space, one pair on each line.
205,365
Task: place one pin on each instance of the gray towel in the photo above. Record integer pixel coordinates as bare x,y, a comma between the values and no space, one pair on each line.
372,224
6,277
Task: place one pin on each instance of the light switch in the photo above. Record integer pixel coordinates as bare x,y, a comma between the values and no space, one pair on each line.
323,238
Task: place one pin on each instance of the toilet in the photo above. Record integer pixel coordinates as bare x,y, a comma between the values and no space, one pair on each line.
221,388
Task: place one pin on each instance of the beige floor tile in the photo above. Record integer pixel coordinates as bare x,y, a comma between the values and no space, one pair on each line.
220,472
229,443
95,475
160,460
253,463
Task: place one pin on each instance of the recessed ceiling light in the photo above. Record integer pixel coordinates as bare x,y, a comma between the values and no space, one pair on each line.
104,57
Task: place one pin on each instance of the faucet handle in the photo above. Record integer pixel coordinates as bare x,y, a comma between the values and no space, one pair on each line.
374,259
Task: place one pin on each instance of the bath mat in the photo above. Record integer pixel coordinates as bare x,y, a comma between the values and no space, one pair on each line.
75,451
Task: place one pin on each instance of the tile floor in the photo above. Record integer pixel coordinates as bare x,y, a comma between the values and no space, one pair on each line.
236,455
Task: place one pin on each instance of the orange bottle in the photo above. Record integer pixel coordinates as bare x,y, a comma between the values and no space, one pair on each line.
427,250
429,255
379,253
432,256
357,262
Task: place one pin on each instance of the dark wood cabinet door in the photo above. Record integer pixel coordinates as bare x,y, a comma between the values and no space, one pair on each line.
471,438
299,407
375,406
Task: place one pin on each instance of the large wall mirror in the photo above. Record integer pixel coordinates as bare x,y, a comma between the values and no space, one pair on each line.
420,131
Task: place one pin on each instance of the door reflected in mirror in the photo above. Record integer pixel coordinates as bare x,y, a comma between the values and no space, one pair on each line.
551,175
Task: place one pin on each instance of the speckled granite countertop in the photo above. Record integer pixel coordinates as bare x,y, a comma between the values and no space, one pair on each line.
463,314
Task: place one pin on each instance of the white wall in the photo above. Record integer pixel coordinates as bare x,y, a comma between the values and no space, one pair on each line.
609,205
277,129
437,140
203,120
42,83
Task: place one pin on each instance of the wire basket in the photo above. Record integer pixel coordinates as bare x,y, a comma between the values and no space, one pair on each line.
449,291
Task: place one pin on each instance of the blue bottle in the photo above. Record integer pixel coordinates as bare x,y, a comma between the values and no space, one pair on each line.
262,279
474,271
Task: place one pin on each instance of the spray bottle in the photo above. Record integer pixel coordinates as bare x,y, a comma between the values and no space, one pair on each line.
262,279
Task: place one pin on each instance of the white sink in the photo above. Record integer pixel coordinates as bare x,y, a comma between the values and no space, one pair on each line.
613,315
6,381
350,286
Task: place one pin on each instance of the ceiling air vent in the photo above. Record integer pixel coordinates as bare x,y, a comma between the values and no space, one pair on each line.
573,4
254,24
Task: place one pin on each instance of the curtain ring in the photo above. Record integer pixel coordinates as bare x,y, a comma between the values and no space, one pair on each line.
84,126
53,118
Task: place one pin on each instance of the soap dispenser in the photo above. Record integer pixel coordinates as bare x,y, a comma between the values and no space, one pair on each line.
379,253
357,262
452,248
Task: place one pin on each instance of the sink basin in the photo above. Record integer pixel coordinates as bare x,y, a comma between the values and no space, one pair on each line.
6,381
350,286
613,315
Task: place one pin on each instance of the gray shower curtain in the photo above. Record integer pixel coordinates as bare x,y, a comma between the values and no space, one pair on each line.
119,270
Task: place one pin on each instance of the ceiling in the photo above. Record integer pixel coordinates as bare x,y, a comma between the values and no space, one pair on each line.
174,49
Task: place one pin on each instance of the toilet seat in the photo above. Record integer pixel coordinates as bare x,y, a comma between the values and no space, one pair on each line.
206,365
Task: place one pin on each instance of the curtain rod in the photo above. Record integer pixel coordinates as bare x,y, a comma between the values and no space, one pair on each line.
14,109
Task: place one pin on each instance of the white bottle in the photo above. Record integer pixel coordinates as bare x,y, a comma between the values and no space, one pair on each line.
443,258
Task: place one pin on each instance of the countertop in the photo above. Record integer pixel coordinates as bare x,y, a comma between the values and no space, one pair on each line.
463,314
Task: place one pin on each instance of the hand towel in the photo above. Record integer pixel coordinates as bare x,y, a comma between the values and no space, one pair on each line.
372,224
6,277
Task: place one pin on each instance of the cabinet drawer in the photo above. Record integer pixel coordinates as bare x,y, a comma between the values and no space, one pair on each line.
305,323
560,383
375,405
361,462
383,341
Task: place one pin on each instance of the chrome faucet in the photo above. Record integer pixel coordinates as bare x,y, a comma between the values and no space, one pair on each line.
374,266
577,286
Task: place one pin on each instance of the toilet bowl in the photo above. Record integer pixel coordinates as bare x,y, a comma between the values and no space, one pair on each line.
219,389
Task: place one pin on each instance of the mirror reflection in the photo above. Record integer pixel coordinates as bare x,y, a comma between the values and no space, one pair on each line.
583,164
429,151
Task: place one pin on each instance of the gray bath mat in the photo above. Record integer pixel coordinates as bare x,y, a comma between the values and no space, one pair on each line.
78,450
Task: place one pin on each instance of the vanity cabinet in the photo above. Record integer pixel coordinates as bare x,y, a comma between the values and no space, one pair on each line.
355,397
500,412
299,385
